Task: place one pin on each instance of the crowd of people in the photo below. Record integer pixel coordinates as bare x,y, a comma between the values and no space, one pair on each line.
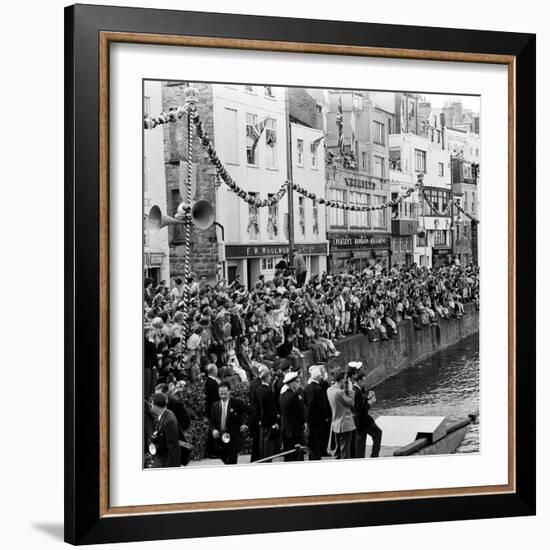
328,417
230,334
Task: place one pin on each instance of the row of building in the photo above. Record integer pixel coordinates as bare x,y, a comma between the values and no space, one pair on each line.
354,147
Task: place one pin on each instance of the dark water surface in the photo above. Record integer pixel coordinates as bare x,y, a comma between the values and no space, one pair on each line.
446,384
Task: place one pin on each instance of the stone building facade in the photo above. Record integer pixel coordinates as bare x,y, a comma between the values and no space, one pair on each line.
204,256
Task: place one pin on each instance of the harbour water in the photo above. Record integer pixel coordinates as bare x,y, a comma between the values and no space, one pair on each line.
445,384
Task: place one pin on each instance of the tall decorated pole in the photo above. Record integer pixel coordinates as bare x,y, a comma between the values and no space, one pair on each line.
191,99
290,191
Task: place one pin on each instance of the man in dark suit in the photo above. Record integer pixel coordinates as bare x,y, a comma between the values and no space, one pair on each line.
293,416
210,397
211,388
372,428
177,407
254,414
268,417
164,445
228,422
361,415
317,412
354,370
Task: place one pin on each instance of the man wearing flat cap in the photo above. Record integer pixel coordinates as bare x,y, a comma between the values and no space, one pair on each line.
293,415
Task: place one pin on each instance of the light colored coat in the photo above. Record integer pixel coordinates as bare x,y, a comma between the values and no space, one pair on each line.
341,404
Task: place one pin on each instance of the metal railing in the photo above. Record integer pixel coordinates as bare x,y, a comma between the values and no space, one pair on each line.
298,449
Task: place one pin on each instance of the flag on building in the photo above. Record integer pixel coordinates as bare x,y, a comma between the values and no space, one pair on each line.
340,124
315,143
254,132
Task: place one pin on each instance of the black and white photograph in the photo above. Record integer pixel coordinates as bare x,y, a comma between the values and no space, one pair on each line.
310,274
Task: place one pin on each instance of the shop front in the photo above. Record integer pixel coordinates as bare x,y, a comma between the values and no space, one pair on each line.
251,261
355,251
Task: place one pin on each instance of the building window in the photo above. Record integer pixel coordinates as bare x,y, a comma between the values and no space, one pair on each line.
363,160
358,219
473,203
253,228
268,90
440,169
313,148
315,218
252,138
421,241
379,167
302,215
439,198
272,220
230,136
357,102
420,160
300,149
146,105
379,220
440,237
379,133
271,142
337,215
268,264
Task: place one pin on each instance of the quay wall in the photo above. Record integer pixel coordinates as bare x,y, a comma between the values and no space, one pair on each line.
383,359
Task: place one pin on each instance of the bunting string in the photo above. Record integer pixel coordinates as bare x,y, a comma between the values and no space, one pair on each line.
176,113
353,207
460,209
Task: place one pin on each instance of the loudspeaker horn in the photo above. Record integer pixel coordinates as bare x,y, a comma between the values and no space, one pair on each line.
202,214
157,220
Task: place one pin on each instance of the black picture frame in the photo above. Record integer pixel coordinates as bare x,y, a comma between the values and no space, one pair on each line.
84,522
